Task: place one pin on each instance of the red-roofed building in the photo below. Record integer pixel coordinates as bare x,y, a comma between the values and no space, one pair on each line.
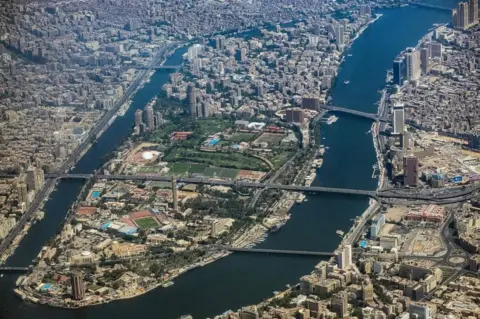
86,210
180,136
140,214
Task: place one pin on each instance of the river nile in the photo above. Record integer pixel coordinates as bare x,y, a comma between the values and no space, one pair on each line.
245,279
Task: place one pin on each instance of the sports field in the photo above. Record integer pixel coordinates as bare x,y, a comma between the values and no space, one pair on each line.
146,222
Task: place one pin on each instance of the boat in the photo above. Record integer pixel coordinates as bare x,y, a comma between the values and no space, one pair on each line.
346,82
332,119
167,284
340,232
349,54
277,227
300,198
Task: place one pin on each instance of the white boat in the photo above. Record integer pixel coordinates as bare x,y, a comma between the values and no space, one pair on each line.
346,82
332,119
167,284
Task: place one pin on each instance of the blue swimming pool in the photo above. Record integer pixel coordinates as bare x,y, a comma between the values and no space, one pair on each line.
95,194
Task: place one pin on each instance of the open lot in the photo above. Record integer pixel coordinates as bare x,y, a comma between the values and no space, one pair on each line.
270,138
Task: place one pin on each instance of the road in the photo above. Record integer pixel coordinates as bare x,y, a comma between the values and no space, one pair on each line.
80,149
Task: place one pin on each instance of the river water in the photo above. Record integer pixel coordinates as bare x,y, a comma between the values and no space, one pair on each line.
242,279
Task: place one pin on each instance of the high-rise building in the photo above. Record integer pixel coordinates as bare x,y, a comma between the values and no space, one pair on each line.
192,100
472,12
149,120
460,16
367,293
425,60
243,54
435,50
339,35
78,287
35,179
311,103
219,42
295,116
158,119
365,10
398,71
340,304
174,193
22,193
410,171
398,119
205,109
412,61
221,68
344,258
138,118
419,311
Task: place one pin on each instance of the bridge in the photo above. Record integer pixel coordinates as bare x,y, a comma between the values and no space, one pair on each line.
371,116
281,252
431,6
313,189
160,67
14,269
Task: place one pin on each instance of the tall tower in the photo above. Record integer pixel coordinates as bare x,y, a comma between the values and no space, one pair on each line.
78,288
149,117
340,304
35,179
410,171
174,193
461,20
192,100
339,35
22,192
425,60
138,118
472,12
398,119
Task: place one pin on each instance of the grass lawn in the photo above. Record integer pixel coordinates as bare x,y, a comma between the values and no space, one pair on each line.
241,137
146,222
228,160
281,157
150,169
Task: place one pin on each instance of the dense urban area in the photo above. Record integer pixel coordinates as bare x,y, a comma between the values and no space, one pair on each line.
205,170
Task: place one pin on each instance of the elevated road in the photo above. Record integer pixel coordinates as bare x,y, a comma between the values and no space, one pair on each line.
430,6
281,252
314,189
370,116
160,67
14,270
94,133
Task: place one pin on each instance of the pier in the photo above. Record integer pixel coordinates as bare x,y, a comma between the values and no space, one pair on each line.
14,270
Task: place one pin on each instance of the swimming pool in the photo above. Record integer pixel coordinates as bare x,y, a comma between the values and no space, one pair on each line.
96,194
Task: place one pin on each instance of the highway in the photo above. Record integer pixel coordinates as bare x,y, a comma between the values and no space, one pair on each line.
80,149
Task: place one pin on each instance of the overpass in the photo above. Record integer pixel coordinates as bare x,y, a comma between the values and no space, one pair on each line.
14,270
206,181
431,6
371,116
281,252
160,67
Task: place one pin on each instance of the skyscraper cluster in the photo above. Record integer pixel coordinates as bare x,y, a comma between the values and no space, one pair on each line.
414,62
465,15
147,120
